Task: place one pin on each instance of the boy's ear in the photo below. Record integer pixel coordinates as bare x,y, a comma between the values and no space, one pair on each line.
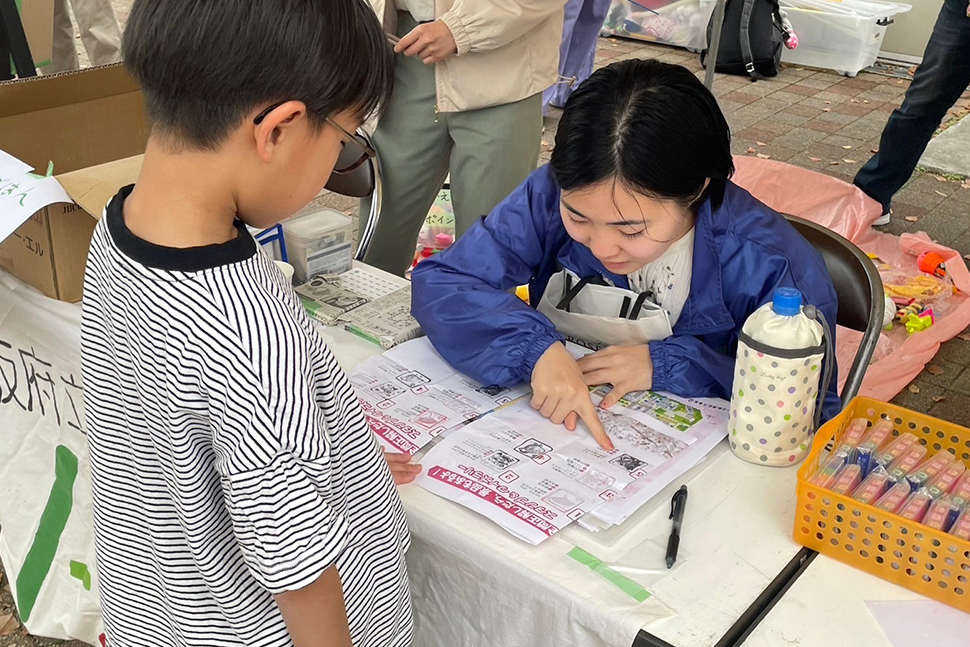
276,126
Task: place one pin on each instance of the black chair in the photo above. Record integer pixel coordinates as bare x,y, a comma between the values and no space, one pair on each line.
363,181
860,291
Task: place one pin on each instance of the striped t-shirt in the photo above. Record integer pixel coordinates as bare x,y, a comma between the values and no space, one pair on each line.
230,459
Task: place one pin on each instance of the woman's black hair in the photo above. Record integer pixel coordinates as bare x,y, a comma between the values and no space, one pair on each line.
204,65
650,126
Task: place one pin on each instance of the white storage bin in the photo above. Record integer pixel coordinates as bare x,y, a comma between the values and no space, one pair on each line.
843,36
682,23
319,243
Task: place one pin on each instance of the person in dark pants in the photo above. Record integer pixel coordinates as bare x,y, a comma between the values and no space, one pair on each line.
939,81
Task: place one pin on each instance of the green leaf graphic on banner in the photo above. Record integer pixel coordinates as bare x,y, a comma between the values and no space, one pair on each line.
79,570
52,522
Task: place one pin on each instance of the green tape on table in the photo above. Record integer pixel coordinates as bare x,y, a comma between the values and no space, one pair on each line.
619,580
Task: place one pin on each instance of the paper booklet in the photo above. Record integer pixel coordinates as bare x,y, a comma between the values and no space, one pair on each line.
410,395
363,303
386,321
532,478
325,299
505,461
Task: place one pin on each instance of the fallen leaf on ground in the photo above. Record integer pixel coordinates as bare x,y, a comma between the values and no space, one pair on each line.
913,388
940,193
848,161
964,336
826,110
853,101
847,146
965,185
833,163
828,103
814,159
865,101
763,156
912,218
940,178
751,150
761,144
939,398
8,624
933,369
873,150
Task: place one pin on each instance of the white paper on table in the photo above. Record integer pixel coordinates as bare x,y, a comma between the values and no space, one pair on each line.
407,407
22,194
532,477
367,284
704,435
921,623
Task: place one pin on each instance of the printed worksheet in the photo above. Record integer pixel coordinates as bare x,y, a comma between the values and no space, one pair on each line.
386,320
703,435
407,407
325,300
532,477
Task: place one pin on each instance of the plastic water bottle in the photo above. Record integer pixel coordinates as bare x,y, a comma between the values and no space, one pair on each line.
777,378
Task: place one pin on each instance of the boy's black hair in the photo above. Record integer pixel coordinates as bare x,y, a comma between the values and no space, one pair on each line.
651,126
204,65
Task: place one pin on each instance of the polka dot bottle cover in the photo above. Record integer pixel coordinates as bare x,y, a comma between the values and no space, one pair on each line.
776,383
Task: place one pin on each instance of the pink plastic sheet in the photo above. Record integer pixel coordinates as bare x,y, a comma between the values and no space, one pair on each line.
843,208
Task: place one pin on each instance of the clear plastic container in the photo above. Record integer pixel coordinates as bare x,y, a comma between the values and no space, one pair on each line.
682,23
319,243
843,36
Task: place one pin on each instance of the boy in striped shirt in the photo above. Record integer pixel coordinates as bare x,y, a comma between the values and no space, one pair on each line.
239,496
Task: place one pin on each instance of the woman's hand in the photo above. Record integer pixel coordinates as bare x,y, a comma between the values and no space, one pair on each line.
560,394
401,468
431,42
627,368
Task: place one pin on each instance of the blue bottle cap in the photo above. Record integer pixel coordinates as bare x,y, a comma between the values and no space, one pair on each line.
787,302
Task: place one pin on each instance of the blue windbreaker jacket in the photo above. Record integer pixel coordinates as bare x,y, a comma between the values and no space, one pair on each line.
464,301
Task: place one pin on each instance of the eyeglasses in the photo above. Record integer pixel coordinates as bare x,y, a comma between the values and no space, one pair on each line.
354,154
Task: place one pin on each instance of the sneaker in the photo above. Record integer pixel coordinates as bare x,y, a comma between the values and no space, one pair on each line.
884,219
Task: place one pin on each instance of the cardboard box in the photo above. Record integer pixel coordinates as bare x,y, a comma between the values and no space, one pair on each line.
80,121
37,17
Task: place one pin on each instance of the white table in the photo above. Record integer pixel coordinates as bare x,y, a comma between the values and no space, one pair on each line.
736,539
827,606
473,584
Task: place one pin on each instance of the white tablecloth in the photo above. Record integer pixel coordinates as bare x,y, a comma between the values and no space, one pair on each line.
472,583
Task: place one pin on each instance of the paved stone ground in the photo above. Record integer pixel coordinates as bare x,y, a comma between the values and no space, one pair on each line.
813,119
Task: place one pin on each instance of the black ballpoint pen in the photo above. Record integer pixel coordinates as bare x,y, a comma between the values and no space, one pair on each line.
677,506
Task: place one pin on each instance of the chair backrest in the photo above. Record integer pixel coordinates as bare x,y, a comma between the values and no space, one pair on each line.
362,182
859,289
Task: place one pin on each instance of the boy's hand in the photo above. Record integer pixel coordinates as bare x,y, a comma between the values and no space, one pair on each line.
559,393
431,42
401,468
627,368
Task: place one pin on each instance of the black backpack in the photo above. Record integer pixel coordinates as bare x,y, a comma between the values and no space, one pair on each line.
751,39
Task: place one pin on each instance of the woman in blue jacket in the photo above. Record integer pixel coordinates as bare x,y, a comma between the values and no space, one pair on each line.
633,240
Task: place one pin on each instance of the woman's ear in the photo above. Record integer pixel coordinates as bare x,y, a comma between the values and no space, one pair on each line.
276,126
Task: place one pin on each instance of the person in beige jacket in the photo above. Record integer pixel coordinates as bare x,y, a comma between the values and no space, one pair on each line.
467,101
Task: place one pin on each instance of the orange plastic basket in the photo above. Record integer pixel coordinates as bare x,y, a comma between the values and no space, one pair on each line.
930,562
